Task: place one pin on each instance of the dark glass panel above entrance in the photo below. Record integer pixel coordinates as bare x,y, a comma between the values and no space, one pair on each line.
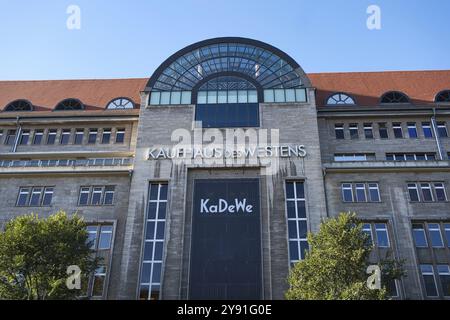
228,115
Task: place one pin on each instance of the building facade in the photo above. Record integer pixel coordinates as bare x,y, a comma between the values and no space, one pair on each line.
203,181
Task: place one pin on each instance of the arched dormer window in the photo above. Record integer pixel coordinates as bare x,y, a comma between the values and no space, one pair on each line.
394,97
120,103
69,104
19,105
340,99
443,96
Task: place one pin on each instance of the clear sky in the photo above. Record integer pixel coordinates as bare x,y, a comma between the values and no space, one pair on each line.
122,39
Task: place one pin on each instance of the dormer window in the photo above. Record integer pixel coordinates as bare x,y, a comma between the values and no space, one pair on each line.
394,97
69,104
19,105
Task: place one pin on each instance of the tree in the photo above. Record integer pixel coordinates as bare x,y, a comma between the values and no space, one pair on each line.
336,264
35,254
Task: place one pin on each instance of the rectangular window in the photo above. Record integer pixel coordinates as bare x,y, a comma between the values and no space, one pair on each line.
120,135
360,191
420,238
65,136
22,199
427,194
412,130
429,280
104,242
35,198
84,196
38,136
347,192
398,131
367,229
106,137
442,129
151,268
92,139
427,131
109,195
447,233
48,196
96,198
10,137
296,220
51,136
339,131
382,129
354,157
434,231
382,235
100,238
368,130
353,129
79,136
24,137
413,191
1,135
444,276
374,192
441,195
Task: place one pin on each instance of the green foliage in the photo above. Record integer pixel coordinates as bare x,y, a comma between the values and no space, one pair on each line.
335,266
35,254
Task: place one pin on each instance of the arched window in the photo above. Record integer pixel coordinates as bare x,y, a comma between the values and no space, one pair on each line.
69,104
394,97
120,103
340,99
443,96
19,105
272,72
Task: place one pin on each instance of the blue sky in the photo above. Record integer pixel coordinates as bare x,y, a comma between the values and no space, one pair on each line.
120,39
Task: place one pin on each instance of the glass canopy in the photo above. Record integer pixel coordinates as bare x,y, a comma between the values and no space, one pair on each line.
194,65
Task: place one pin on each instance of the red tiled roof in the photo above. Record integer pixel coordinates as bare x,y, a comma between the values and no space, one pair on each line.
95,94
365,87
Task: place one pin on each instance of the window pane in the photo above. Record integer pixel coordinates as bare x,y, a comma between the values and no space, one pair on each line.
382,235
420,239
242,96
290,190
186,97
162,211
175,97
435,235
222,97
232,96
279,95
360,192
269,96
290,95
156,277
158,251
165,98
252,96
293,250
148,251
99,282
155,97
291,209
300,95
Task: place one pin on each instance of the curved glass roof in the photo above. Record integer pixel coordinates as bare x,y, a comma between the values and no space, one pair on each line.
267,65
